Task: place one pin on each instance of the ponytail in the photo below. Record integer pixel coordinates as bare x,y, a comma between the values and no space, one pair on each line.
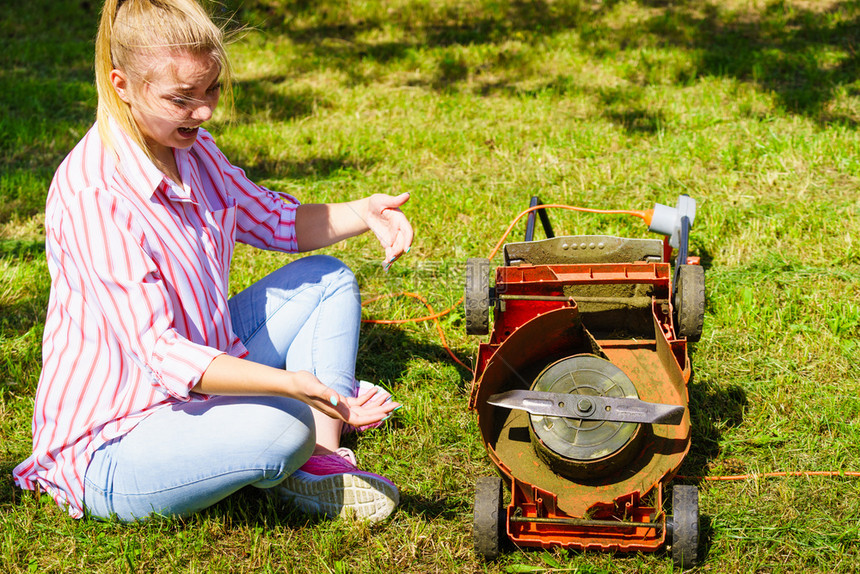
110,106
130,31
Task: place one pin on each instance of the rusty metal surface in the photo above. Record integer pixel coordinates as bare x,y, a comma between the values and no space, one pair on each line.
614,296
552,280
525,352
650,363
529,503
583,249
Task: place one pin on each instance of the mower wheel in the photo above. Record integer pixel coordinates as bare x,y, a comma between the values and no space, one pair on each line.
690,301
488,528
685,525
476,299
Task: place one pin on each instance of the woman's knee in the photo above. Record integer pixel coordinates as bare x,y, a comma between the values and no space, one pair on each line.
287,439
288,420
331,270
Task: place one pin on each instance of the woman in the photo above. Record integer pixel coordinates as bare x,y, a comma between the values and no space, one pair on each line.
158,394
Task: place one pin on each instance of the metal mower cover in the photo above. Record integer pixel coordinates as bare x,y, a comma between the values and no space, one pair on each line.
581,389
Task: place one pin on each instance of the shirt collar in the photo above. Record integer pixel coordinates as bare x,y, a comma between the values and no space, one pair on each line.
142,174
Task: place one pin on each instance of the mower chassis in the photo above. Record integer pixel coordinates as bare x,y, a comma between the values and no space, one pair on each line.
547,309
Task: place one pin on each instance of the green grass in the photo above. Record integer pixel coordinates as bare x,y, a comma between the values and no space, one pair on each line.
750,106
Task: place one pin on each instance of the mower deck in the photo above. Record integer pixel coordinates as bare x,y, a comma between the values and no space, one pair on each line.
584,315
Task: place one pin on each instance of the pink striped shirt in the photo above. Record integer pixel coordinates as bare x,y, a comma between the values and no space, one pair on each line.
138,308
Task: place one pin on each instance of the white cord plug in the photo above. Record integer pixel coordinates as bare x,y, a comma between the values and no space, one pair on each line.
667,220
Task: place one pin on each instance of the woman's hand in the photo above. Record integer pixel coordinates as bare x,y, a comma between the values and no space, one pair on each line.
322,224
390,226
358,411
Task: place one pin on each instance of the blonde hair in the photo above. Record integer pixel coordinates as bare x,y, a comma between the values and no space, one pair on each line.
130,33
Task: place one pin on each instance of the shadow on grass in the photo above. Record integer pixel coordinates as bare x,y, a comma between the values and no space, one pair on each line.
21,248
385,351
432,509
21,308
254,507
315,168
783,49
265,98
802,53
9,493
712,407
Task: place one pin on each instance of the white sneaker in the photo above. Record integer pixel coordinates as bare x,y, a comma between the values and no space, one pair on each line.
332,486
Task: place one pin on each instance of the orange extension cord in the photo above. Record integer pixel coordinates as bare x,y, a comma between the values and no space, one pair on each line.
645,215
433,316
826,473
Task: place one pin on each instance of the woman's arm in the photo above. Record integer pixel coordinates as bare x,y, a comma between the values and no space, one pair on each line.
228,375
320,225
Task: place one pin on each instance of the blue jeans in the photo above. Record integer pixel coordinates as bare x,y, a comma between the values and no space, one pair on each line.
187,456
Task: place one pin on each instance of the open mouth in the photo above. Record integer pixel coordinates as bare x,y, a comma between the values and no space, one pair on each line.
187,132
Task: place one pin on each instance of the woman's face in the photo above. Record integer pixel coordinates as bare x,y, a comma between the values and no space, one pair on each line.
181,93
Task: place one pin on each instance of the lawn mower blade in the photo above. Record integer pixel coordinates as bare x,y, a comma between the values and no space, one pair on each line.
588,407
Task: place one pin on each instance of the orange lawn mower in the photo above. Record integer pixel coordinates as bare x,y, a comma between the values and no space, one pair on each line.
581,389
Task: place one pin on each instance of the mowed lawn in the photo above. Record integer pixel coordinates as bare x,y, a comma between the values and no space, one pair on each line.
749,106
